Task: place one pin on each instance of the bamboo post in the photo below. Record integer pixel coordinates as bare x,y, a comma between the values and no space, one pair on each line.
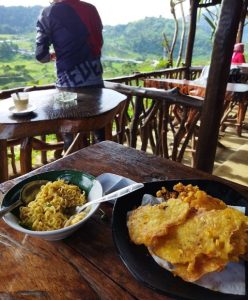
242,22
217,81
191,37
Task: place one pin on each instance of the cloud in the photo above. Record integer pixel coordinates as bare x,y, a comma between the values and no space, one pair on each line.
115,12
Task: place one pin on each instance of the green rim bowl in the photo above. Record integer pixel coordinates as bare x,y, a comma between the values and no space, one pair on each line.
85,181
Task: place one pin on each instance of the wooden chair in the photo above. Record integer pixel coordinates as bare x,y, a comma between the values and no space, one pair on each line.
13,142
41,144
28,144
236,104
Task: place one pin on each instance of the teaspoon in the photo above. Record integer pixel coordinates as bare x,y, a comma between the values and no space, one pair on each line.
119,193
27,194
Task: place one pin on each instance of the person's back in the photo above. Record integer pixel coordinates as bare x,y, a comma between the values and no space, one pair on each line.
238,54
74,28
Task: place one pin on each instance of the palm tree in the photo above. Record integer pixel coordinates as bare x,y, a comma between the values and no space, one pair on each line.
211,16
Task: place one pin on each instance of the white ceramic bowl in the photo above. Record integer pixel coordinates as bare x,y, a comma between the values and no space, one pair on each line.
85,181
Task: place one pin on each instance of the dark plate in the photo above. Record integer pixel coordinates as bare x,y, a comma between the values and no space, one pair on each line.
140,263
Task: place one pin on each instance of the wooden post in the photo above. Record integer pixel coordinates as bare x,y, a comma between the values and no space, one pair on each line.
191,37
242,22
4,174
216,85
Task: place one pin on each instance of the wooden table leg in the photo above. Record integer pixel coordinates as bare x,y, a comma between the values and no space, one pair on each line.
121,120
241,116
108,131
3,161
26,155
138,105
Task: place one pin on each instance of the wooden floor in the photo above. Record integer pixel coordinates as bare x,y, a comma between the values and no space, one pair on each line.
231,162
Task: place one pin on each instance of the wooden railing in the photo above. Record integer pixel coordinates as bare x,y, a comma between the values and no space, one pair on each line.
7,93
136,79
164,121
150,116
148,119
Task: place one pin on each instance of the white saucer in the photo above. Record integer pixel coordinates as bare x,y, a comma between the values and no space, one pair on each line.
29,109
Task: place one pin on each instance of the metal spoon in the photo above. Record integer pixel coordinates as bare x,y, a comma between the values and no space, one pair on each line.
124,191
27,194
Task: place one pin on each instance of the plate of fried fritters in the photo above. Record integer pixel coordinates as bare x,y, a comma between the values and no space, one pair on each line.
139,238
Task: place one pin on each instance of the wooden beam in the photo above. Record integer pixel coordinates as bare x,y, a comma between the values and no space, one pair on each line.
208,3
191,37
216,86
171,96
242,22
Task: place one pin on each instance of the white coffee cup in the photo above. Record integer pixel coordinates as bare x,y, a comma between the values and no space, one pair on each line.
20,100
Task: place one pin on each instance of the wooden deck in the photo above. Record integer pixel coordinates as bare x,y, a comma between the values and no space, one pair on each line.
231,161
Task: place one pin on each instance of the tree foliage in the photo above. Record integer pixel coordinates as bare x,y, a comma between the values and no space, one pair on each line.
7,50
18,19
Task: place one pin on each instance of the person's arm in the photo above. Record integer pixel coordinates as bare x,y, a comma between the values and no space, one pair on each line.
43,42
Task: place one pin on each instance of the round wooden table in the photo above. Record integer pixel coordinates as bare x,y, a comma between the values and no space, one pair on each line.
91,110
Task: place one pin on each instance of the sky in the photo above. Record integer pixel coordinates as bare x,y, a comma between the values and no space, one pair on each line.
115,12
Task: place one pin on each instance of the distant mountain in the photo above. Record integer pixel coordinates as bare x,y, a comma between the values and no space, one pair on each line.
136,40
143,39
18,19
139,39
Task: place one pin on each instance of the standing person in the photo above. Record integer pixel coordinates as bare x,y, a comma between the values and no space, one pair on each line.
238,54
74,29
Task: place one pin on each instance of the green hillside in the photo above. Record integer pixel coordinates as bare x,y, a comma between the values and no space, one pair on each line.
143,39
18,19
127,48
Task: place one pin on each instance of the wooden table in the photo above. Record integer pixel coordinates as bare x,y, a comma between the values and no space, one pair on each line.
93,109
85,265
236,93
189,85
243,67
